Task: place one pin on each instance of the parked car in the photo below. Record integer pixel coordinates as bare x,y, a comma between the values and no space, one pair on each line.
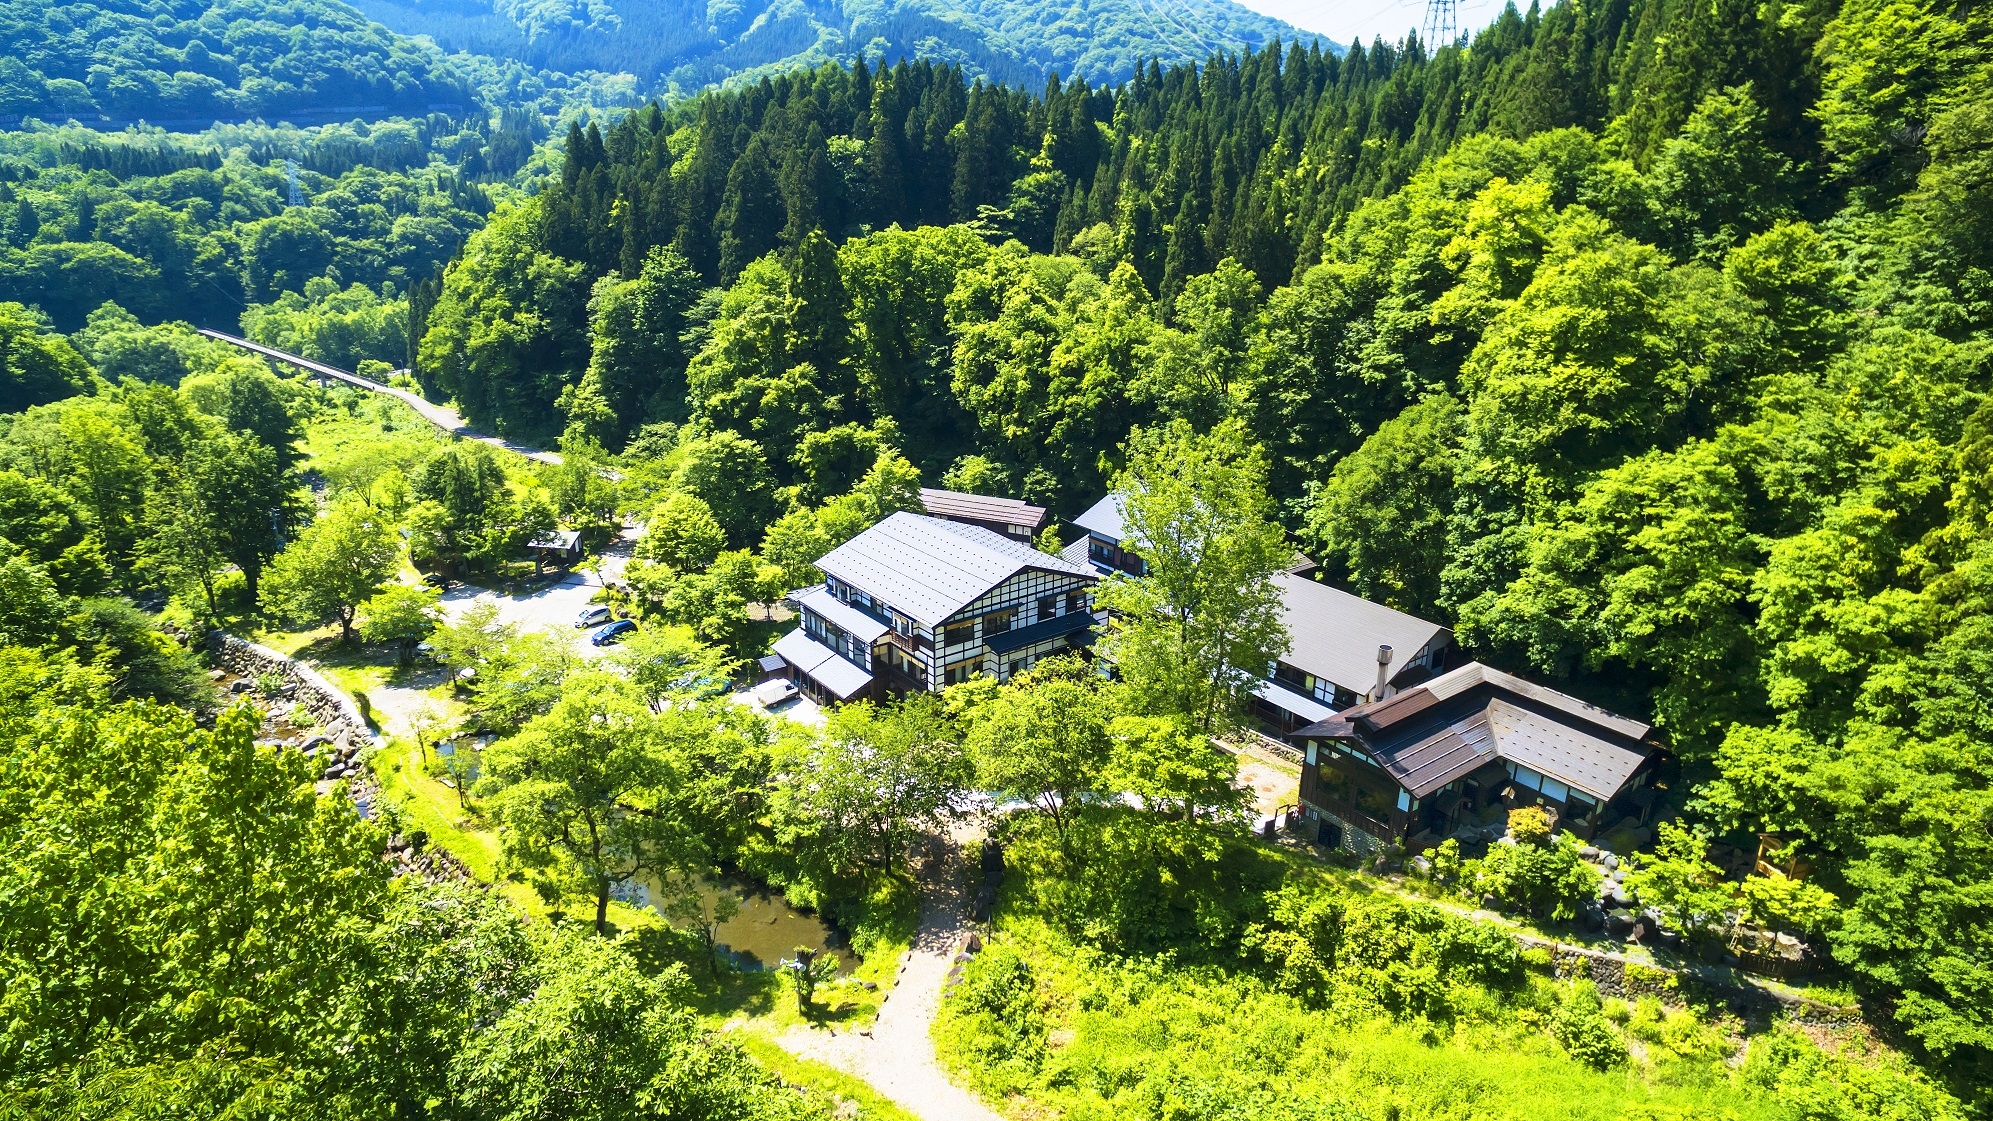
591,617
775,691
613,633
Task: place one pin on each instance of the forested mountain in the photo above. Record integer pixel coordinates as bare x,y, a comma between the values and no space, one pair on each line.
195,61
684,45
172,231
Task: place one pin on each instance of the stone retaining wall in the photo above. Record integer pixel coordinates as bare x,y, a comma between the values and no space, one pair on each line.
338,717
1627,980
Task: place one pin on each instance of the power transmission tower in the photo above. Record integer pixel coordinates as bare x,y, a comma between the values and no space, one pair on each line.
1442,24
291,176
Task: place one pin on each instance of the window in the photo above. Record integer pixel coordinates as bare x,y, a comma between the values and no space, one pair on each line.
1374,803
997,622
962,671
959,633
1075,602
1048,607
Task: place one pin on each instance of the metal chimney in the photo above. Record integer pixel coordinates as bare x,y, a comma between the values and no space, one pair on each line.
1383,672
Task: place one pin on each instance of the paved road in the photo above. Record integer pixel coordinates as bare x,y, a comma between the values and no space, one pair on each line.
442,416
898,1057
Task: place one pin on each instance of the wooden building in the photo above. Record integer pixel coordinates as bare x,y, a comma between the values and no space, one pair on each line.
1342,650
1456,752
919,603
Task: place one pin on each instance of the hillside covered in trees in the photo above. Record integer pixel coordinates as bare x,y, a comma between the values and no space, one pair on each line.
681,46
1658,374
1655,372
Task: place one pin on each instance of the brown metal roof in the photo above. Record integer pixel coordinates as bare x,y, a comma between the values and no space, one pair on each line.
981,508
1459,749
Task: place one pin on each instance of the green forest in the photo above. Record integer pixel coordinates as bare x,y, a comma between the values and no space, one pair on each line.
1645,345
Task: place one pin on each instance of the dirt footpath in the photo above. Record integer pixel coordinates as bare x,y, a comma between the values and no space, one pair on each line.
898,1056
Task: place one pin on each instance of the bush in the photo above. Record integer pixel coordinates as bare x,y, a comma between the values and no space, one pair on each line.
1144,882
1581,1026
994,1021
1548,880
1366,951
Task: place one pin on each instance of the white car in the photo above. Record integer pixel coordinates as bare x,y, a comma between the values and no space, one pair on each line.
774,692
591,617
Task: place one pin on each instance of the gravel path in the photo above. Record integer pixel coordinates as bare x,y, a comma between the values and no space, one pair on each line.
897,1058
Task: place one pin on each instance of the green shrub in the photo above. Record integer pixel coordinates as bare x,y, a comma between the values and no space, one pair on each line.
1581,1026
993,1022
1822,1087
1547,880
1144,882
1327,946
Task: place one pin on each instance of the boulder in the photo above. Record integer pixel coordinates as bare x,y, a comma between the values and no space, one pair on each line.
1619,923
1422,866
1591,916
239,685
1610,861
1588,852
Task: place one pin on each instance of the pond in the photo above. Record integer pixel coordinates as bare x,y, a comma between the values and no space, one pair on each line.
764,931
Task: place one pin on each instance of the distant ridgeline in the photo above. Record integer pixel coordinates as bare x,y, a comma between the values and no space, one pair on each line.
176,61
684,45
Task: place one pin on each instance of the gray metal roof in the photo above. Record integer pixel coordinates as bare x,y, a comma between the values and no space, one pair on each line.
981,508
930,568
1457,681
1429,735
820,662
1281,697
854,622
1567,754
1104,519
1335,635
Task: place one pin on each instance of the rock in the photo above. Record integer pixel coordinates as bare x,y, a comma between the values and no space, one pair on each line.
869,986
1619,875
1591,917
1422,866
1490,903
314,743
963,959
1619,923
214,675
1588,852
1610,861
239,685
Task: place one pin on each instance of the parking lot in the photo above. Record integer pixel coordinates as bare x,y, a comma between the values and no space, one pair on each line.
550,608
